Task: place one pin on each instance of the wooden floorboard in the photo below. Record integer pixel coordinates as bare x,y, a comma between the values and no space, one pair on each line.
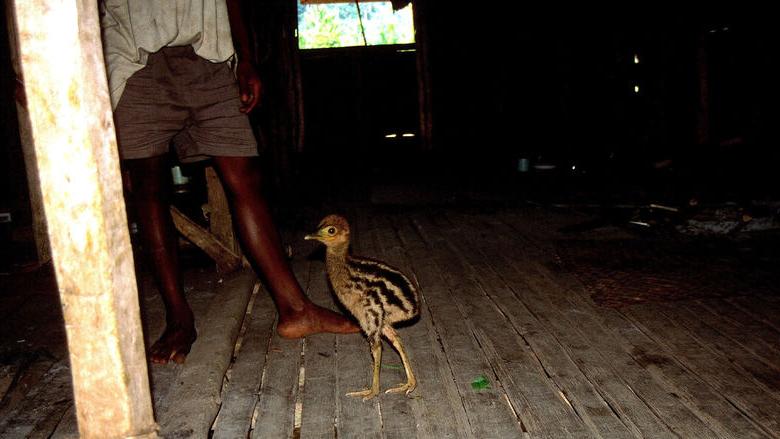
67,428
494,304
356,418
757,337
436,404
684,403
746,363
40,412
319,403
573,384
763,310
399,419
25,384
194,400
274,411
620,381
199,289
741,391
489,410
274,414
559,343
239,394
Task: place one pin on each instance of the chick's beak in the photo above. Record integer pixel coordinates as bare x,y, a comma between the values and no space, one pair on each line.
315,236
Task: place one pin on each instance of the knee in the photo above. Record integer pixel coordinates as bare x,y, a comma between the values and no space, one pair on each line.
145,179
240,176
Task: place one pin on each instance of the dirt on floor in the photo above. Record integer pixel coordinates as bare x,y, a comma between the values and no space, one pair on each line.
623,264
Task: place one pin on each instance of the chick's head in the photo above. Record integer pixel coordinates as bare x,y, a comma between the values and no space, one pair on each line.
332,230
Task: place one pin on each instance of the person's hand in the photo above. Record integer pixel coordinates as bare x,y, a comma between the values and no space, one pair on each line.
249,85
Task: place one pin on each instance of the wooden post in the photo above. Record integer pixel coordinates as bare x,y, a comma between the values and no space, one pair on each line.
226,260
424,82
220,220
78,166
703,110
43,254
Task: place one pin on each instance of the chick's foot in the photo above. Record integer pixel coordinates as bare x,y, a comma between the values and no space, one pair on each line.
365,394
403,388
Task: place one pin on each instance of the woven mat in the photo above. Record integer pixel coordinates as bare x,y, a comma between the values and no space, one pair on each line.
627,271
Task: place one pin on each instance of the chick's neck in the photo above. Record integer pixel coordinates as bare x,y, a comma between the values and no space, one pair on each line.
336,265
336,254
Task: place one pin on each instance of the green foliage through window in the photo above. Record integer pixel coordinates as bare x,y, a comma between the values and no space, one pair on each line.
338,24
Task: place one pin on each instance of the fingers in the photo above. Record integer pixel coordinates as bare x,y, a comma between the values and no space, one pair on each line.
250,95
249,85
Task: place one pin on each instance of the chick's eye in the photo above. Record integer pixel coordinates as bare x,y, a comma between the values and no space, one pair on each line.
331,230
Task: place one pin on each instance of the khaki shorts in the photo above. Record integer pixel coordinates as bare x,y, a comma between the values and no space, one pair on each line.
182,98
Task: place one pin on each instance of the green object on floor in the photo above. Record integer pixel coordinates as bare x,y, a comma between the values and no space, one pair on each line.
392,366
480,382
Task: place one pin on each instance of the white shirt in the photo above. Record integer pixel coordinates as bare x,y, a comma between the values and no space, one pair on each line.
132,29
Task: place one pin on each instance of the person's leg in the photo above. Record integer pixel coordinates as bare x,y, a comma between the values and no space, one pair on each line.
298,316
150,187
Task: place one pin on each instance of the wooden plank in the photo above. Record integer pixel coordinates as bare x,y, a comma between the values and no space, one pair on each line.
227,261
39,413
196,395
723,347
540,398
755,335
199,286
712,409
319,399
220,219
274,415
766,311
162,376
597,395
275,412
68,427
396,409
687,405
78,166
754,402
40,234
489,411
546,327
26,380
436,404
356,418
599,370
45,428
239,395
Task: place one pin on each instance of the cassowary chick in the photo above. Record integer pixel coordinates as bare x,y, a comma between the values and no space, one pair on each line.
377,294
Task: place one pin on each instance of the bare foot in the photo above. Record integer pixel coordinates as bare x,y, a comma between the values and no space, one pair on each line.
174,344
314,319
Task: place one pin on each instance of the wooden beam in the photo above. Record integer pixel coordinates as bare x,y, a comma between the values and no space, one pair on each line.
703,108
226,260
424,78
78,166
43,254
194,399
220,220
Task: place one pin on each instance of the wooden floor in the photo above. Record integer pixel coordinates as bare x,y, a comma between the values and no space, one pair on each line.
507,347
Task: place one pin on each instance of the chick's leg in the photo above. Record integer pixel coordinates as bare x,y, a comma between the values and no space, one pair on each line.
411,381
376,352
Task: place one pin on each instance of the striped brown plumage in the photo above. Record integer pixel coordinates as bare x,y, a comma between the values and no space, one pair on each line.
375,293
